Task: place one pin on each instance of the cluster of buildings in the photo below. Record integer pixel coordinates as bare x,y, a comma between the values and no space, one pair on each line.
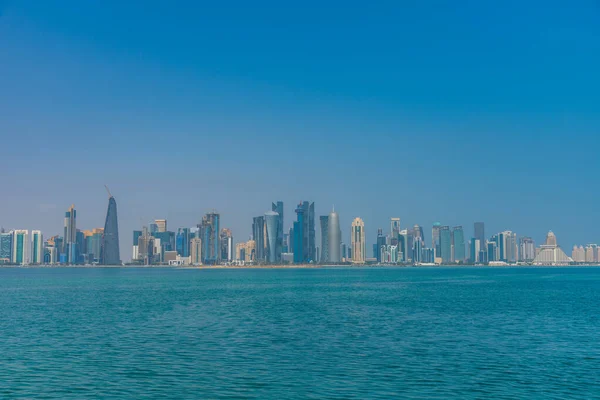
208,243
96,246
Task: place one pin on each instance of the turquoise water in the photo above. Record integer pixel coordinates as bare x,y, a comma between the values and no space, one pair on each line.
328,333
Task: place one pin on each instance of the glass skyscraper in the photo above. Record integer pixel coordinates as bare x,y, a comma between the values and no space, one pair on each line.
304,233
324,220
272,227
110,239
445,244
459,243
209,233
6,240
278,208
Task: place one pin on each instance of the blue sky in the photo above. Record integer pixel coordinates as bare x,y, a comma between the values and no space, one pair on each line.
430,111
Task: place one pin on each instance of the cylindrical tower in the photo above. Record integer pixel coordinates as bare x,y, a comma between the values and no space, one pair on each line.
272,222
335,238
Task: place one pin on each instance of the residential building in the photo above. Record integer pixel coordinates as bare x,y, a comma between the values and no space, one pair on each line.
37,247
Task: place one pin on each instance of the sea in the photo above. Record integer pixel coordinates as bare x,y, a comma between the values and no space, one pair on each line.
328,333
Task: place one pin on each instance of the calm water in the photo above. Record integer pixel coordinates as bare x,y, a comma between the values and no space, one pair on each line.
331,333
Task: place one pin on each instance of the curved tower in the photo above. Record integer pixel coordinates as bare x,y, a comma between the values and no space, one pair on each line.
272,222
334,238
110,239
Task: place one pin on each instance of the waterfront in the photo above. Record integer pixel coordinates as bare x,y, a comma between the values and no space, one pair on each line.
300,333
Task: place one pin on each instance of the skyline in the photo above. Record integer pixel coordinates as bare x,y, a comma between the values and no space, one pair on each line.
440,113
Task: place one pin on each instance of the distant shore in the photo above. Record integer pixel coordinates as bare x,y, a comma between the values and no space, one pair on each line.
299,266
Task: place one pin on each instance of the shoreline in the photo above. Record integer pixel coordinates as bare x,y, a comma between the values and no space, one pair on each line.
298,266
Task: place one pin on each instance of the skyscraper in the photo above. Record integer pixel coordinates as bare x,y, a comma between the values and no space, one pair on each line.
304,233
37,247
6,244
258,234
526,249
380,243
278,208
324,219
70,237
445,244
272,227
435,239
20,250
479,232
209,233
226,243
110,239
161,225
357,237
196,251
459,243
182,242
334,240
394,229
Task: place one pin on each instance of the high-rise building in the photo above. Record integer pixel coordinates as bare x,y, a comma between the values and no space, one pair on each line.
474,251
182,242
324,219
379,245
578,254
418,234
526,249
492,250
435,239
507,248
459,244
111,254
272,228
479,231
20,250
70,237
226,239
196,251
37,247
445,244
278,208
6,245
258,235
551,254
161,225
358,241
334,240
394,227
250,251
209,233
304,233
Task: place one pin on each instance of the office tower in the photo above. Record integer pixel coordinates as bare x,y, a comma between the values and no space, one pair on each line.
403,245
474,251
71,235
196,251
136,237
418,234
182,242
153,228
272,227
226,240
240,251
161,225
324,220
209,233
20,250
81,249
93,245
417,250
164,241
258,235
358,241
304,233
526,249
479,232
379,244
435,239
344,252
445,244
507,246
146,253
50,253
6,244
334,240
110,240
394,229
250,251
409,245
37,247
459,243
278,208
290,242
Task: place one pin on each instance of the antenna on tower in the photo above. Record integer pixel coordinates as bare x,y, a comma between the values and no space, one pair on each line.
109,195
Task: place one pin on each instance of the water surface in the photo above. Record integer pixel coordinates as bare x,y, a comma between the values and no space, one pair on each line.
300,333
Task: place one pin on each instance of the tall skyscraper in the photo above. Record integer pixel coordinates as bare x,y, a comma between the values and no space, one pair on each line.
20,250
445,244
378,246
358,241
111,254
435,239
6,244
394,228
209,233
226,241
324,219
258,234
304,233
479,232
161,225
70,237
526,249
278,208
182,242
196,251
272,227
37,247
334,240
458,236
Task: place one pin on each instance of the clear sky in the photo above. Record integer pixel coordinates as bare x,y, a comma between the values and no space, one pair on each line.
426,110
